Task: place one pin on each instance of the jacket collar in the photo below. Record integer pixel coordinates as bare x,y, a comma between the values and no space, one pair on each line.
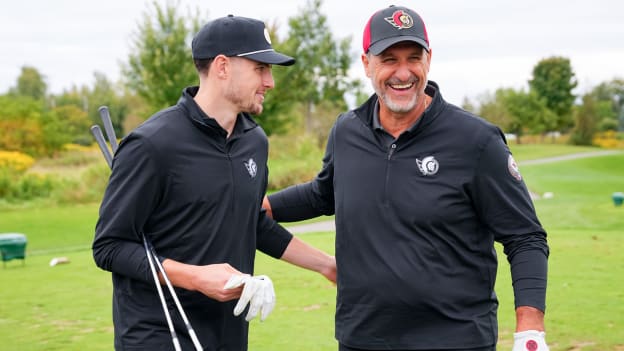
244,122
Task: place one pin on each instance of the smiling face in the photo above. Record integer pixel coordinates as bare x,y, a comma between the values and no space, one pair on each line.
249,82
399,76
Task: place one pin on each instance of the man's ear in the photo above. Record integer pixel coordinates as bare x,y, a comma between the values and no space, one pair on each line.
221,66
429,59
365,63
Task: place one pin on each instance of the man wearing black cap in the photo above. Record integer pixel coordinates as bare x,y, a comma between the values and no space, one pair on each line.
421,190
191,180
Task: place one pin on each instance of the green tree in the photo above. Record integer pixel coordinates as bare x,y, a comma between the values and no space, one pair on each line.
492,108
87,99
553,81
609,97
61,126
20,122
321,71
517,112
30,83
529,113
104,93
160,64
586,121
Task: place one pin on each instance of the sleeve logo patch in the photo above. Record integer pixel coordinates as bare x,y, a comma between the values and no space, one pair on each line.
513,168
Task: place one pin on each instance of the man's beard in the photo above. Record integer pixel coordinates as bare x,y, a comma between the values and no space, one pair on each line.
393,106
233,95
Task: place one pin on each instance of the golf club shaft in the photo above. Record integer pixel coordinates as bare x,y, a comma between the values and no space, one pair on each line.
174,336
190,329
99,138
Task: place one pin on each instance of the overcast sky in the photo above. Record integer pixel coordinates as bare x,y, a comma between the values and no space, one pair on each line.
478,46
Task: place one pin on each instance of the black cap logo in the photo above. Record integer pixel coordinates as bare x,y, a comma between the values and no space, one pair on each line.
400,20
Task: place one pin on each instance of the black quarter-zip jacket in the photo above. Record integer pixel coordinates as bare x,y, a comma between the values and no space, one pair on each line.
416,223
196,195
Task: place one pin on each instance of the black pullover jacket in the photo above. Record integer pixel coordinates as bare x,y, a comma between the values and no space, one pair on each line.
197,197
416,222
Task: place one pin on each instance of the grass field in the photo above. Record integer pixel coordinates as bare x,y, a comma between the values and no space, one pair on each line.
67,307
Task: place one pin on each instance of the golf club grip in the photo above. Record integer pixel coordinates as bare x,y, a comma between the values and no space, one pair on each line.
108,126
99,138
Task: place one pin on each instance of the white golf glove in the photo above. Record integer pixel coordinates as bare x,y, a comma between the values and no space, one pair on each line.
530,340
257,291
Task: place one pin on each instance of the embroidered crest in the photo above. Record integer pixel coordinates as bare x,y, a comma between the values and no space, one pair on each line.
428,166
252,168
400,20
513,168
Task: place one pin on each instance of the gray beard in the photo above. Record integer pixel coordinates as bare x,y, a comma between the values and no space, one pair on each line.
396,108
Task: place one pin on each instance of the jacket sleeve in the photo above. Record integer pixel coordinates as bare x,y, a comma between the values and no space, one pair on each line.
506,209
272,238
130,196
311,199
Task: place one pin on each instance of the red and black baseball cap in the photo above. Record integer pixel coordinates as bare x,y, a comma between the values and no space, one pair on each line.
392,25
237,36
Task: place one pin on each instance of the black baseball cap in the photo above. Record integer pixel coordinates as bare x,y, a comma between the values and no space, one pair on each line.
237,36
392,25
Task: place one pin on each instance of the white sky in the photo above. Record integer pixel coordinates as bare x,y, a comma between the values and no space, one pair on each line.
478,46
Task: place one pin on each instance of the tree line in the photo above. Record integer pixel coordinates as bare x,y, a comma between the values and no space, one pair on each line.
549,105
308,96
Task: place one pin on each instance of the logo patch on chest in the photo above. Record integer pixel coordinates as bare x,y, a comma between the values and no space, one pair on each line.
252,168
428,166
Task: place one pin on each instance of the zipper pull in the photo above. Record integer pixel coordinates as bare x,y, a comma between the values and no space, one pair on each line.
392,148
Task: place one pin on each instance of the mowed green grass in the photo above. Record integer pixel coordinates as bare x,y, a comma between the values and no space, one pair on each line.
68,307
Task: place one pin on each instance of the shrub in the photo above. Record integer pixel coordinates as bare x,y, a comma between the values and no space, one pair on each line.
88,188
16,187
608,140
15,161
293,159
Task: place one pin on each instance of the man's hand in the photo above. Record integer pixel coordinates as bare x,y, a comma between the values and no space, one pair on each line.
207,279
258,292
530,340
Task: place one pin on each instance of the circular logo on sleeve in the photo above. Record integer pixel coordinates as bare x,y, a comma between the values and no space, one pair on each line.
513,168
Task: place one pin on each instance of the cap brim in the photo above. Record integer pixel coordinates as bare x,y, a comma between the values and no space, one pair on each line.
378,47
271,57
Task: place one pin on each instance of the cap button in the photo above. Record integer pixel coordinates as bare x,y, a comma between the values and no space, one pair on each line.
230,15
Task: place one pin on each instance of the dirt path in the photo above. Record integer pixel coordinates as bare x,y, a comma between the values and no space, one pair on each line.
329,226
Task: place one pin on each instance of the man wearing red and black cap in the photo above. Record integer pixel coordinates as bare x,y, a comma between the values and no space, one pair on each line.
421,190
191,180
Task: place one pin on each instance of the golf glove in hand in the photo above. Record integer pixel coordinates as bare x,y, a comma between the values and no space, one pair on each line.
530,340
258,292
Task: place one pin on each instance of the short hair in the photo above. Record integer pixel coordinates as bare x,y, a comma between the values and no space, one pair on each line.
203,65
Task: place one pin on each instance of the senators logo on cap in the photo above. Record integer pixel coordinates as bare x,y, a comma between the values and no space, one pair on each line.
400,20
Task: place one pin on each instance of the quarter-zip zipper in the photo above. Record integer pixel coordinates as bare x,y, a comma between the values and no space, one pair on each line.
387,181
228,155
